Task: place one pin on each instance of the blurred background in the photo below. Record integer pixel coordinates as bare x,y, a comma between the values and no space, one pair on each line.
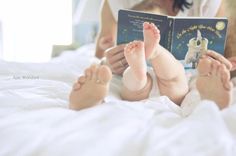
37,30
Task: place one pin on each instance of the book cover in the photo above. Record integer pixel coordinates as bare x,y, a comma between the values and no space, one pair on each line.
187,38
130,25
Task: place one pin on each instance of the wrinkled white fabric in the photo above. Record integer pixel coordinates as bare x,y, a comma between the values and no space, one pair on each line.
35,119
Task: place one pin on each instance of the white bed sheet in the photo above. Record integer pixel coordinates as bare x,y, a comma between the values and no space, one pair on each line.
35,119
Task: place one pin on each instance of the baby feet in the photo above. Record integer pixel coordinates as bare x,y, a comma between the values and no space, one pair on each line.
135,56
90,89
152,37
213,82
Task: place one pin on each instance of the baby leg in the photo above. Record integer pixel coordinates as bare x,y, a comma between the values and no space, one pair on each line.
170,73
136,83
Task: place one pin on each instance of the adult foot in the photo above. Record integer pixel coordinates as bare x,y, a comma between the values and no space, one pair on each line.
214,85
204,65
90,89
135,56
152,37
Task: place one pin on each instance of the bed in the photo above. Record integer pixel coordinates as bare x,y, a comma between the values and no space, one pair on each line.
35,119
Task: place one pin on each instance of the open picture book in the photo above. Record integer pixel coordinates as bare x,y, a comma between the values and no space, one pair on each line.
187,38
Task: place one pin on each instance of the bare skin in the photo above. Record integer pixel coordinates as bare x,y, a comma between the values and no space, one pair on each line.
227,62
135,55
213,82
136,83
108,26
233,62
91,88
170,73
105,44
231,37
118,63
116,59
107,32
230,63
151,33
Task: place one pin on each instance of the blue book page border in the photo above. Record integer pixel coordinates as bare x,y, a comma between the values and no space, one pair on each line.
130,25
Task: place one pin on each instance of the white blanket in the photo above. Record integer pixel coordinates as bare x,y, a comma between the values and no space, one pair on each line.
35,119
